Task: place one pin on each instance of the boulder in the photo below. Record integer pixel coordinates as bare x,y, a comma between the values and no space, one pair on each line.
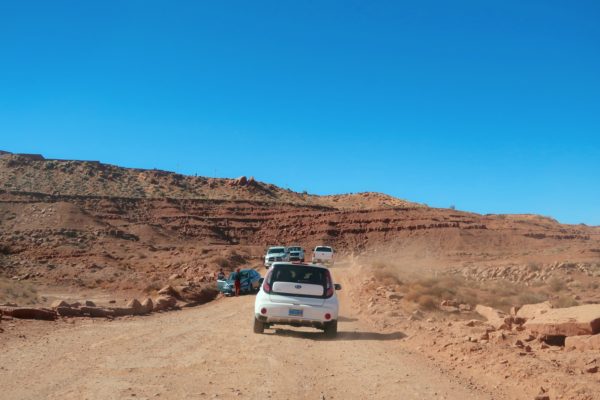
123,311
394,296
583,343
95,312
164,303
69,312
531,310
571,321
59,303
198,294
33,313
89,303
465,307
496,318
449,309
148,306
449,303
168,291
137,307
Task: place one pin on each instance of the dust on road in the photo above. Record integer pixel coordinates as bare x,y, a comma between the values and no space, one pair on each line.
211,352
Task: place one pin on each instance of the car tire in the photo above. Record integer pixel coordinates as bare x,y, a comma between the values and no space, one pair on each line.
331,329
259,327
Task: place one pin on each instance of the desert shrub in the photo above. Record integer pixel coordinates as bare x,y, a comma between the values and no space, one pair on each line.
564,301
222,262
152,287
5,249
427,302
533,267
556,284
530,297
20,292
385,273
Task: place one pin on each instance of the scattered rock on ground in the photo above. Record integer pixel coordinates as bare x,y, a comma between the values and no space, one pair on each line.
164,303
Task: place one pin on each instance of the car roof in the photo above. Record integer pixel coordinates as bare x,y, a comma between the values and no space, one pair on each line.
293,264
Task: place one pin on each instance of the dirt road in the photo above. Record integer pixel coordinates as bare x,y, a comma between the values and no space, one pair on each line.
211,352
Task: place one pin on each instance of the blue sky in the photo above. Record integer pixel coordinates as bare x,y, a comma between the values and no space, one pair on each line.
491,106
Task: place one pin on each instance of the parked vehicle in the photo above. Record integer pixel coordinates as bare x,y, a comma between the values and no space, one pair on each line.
295,253
323,255
249,282
297,295
275,254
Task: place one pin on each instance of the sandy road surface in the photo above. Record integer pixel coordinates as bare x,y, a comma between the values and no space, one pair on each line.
211,352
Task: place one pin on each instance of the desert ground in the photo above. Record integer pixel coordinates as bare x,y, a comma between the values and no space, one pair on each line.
436,302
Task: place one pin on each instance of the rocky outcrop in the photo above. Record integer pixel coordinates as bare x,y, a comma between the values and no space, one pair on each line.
30,313
529,311
148,306
164,303
495,318
571,321
583,343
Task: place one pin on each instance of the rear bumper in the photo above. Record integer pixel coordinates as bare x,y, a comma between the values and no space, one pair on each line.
293,322
313,316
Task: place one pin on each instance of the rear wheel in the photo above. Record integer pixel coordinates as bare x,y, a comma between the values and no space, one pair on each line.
331,329
259,327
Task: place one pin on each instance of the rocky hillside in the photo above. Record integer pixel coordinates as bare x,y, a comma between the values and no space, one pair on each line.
34,173
97,225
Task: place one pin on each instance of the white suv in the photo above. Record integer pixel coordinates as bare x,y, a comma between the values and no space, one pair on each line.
297,295
275,254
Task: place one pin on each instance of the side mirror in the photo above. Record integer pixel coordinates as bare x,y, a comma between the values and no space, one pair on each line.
261,280
337,286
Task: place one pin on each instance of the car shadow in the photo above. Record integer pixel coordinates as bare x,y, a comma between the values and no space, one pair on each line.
351,335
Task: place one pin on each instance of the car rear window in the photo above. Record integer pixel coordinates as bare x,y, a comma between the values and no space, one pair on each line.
299,274
276,250
324,249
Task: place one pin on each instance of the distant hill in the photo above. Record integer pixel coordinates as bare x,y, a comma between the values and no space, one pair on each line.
34,173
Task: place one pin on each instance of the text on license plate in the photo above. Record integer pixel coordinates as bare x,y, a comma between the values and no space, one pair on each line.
295,313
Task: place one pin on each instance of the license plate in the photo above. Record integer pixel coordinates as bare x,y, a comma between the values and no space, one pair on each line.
295,313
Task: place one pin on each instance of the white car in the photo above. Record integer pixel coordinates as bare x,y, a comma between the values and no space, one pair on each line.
295,253
323,255
275,254
297,295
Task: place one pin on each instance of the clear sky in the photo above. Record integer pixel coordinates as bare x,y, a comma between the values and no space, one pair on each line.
491,106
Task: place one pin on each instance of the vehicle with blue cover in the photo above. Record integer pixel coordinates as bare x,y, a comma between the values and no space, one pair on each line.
249,282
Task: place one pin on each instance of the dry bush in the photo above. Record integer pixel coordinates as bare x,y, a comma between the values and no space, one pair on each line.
20,292
556,284
5,249
564,301
428,290
153,287
222,262
427,302
385,273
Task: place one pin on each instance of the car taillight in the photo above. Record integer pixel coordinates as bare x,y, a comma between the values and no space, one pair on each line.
327,316
263,311
266,287
329,291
